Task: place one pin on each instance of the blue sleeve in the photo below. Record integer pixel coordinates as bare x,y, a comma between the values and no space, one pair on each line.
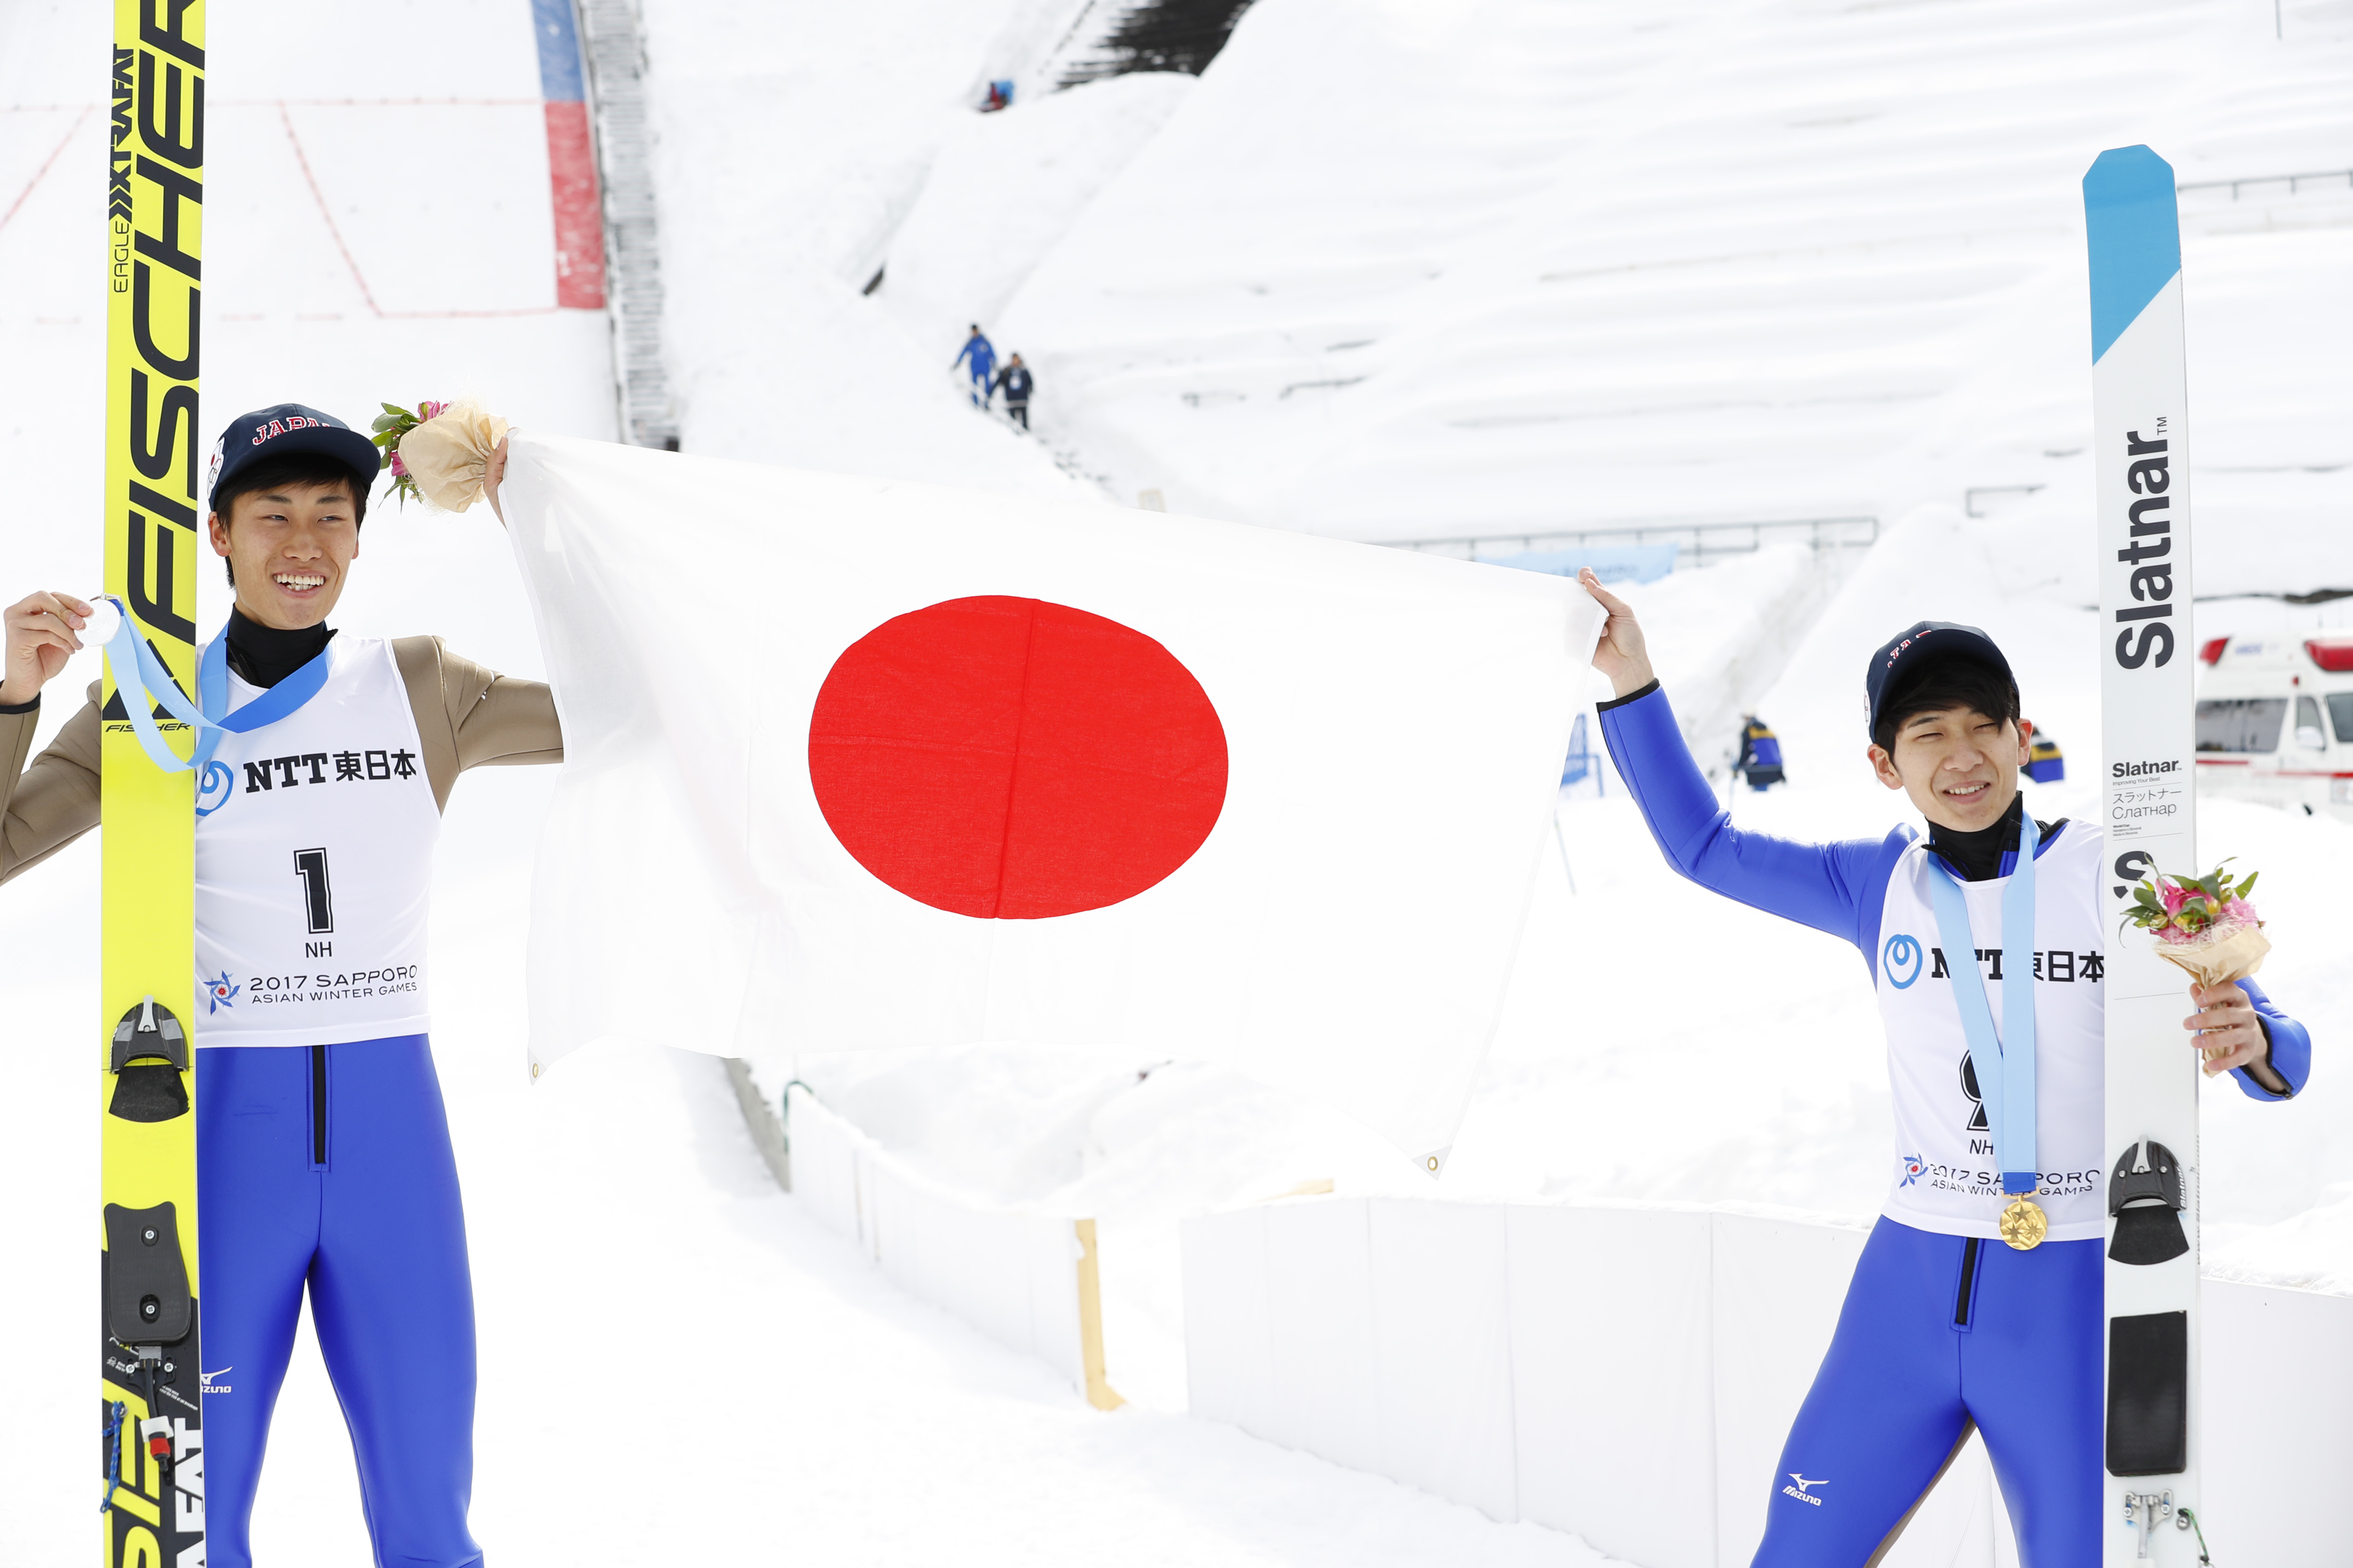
2291,1048
1835,887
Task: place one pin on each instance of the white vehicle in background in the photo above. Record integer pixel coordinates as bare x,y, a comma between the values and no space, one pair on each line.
2275,720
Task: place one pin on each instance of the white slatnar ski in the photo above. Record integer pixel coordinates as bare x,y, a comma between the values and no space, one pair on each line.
2148,808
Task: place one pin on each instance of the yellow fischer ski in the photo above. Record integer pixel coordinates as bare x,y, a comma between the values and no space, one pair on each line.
151,1402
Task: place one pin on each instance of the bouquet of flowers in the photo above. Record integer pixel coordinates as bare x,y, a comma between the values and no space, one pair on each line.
390,427
438,452
2204,924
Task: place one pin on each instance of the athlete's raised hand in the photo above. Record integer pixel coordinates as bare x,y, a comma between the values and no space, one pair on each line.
494,473
2228,1034
1620,654
40,638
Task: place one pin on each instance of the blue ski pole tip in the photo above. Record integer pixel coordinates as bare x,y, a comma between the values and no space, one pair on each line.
2134,233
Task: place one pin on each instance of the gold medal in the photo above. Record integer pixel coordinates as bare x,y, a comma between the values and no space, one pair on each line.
2024,1224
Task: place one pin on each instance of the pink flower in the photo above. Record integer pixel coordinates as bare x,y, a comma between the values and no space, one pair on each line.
399,469
433,410
2174,895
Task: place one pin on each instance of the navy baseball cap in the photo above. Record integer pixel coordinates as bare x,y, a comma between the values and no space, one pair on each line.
1908,652
291,427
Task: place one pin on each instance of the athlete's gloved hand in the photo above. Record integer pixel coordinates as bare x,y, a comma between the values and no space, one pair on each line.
1620,654
2230,1034
40,638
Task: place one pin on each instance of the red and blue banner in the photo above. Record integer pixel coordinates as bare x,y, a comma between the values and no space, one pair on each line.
571,159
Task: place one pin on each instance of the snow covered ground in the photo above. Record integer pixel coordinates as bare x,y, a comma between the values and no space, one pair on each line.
1392,269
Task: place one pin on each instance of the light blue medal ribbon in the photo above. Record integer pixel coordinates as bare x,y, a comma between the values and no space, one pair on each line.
288,695
2005,1065
143,683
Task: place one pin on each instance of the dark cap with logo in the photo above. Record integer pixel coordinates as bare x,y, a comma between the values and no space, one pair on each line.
291,427
1910,651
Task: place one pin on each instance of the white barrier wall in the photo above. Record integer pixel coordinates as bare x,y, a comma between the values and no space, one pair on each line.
1025,1280
1628,1375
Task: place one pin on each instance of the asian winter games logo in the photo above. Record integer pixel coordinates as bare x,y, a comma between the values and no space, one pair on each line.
219,992
1914,1168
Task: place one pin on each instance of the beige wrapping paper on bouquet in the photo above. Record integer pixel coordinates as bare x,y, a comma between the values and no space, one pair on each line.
448,455
2234,957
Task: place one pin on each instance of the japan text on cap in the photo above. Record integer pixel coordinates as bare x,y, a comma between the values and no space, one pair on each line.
291,427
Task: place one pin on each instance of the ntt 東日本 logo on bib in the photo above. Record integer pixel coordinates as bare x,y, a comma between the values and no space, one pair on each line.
1901,961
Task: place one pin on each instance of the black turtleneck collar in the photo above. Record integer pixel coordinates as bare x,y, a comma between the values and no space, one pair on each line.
1977,856
264,656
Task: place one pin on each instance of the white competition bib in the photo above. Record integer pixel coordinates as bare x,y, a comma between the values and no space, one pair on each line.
1946,1179
314,866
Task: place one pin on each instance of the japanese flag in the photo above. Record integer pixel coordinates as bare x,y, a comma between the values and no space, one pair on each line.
922,766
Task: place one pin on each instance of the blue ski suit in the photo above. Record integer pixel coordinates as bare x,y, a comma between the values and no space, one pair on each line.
982,356
1939,1334
329,1168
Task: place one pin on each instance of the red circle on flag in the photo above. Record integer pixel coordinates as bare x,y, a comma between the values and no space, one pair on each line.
1013,759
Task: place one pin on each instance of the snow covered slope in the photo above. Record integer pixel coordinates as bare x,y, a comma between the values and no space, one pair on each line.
792,142
1401,269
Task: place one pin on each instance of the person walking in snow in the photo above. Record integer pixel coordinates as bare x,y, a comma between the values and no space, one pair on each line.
982,358
322,1149
1014,382
1760,754
1945,1329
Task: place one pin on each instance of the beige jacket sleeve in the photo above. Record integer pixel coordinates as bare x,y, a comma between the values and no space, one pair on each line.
470,717
48,806
467,716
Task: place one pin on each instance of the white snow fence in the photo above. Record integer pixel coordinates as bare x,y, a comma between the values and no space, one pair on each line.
1026,1280
1629,1373
873,765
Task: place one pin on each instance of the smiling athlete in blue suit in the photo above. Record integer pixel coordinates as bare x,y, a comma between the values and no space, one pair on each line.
1945,1329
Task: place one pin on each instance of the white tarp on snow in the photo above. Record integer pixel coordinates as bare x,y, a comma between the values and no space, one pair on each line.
1392,730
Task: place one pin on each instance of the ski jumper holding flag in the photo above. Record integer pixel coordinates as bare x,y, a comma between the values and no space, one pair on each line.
981,356
1976,1303
324,1153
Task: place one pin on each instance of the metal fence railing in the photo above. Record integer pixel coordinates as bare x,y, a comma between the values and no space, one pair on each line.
1701,543
2294,182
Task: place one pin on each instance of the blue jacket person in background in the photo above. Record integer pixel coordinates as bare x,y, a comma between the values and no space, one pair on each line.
1760,754
1946,1329
1014,382
983,357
